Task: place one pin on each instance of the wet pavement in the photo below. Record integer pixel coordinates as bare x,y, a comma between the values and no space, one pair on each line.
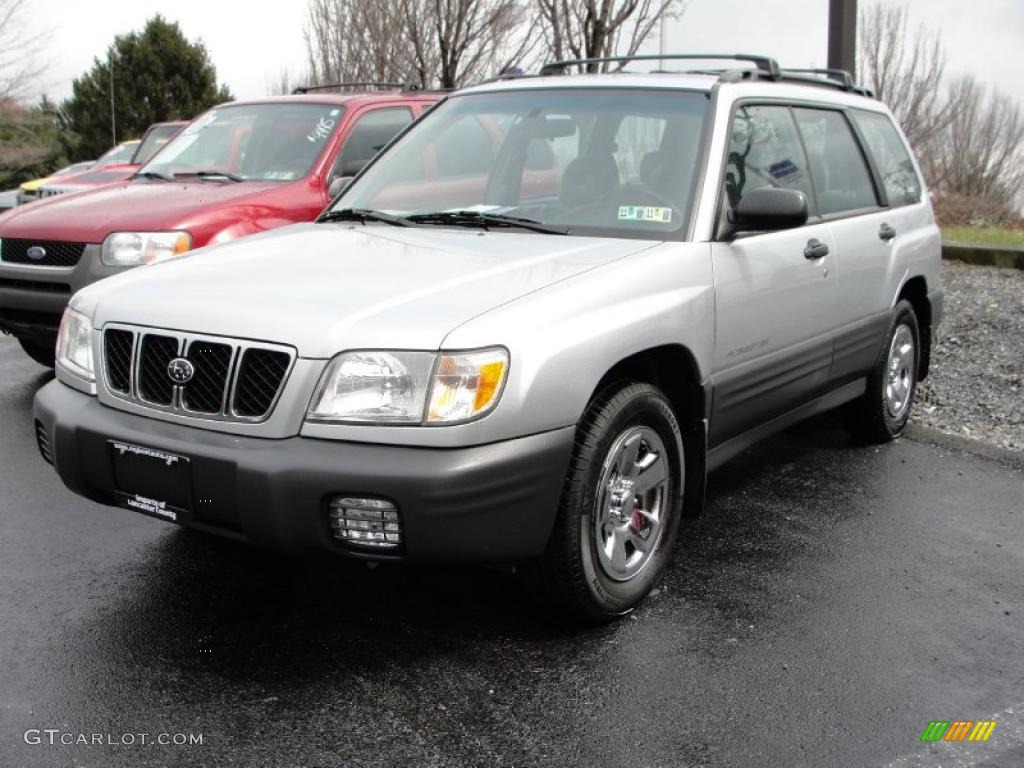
833,600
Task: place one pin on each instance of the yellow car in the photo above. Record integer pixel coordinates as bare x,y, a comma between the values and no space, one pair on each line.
122,153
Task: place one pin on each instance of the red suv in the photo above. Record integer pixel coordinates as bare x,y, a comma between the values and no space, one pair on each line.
240,168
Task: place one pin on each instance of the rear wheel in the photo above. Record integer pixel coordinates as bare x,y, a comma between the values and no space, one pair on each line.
621,506
882,412
42,353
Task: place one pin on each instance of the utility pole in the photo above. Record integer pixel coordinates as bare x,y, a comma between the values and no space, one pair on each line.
113,123
662,38
842,35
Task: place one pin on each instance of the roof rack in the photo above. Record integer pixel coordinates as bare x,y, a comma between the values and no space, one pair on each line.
765,68
358,84
764,64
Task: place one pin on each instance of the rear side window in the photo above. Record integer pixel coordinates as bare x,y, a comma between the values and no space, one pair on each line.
841,176
765,151
902,185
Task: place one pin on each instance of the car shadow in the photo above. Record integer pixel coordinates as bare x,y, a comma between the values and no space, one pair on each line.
195,599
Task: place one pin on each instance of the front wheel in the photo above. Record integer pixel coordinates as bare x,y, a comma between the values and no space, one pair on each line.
621,506
881,413
42,353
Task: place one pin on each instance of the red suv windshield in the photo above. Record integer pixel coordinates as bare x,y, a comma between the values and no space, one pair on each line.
270,142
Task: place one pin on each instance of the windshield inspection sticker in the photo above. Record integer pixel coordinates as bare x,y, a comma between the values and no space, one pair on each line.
645,213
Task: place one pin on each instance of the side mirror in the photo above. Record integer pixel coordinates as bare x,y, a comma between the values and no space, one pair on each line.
338,185
767,210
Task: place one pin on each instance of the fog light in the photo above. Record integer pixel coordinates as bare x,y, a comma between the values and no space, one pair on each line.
366,522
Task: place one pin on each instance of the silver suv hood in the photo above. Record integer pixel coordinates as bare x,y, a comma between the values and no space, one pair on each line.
324,288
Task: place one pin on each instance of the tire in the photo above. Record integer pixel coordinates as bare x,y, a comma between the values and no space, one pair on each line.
882,412
602,558
43,354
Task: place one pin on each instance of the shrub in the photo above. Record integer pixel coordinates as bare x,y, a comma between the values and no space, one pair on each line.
953,210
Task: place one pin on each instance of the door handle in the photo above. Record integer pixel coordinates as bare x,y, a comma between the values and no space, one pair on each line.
886,232
815,250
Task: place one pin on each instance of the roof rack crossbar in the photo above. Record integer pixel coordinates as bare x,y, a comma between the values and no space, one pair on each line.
356,84
765,64
839,75
826,82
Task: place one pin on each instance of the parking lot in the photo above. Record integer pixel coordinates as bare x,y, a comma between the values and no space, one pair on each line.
832,602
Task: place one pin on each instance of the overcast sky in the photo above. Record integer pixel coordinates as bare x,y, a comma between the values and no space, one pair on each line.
251,42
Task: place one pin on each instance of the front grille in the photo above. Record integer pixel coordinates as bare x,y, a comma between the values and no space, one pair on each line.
55,253
154,357
206,391
231,380
43,441
117,348
259,378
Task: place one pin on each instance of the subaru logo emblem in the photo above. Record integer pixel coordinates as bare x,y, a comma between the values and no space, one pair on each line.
180,370
36,253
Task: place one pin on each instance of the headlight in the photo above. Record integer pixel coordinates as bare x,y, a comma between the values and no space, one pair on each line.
384,387
74,344
387,387
130,249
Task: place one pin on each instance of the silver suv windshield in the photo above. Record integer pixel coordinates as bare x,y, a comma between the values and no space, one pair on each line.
617,162
267,142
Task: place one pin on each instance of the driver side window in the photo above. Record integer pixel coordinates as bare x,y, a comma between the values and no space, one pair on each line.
765,151
369,135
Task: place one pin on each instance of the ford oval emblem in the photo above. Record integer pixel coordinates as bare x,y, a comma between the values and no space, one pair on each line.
36,253
180,370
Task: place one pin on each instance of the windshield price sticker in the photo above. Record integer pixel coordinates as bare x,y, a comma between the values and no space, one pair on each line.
321,130
645,213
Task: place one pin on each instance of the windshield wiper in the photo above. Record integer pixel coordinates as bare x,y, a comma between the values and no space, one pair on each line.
151,175
485,220
364,215
211,175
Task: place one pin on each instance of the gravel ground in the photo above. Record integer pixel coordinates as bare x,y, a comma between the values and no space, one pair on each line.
977,377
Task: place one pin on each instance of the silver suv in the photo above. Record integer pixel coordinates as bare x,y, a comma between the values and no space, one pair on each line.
525,333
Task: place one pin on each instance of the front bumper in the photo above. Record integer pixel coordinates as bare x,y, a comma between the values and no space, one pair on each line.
494,502
32,299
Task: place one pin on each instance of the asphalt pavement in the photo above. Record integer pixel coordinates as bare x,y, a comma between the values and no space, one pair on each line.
833,601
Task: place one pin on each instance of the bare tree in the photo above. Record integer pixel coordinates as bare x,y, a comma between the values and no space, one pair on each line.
282,83
465,40
587,29
981,149
356,40
969,140
425,42
18,65
905,70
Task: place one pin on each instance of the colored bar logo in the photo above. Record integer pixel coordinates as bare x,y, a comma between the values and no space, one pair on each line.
958,730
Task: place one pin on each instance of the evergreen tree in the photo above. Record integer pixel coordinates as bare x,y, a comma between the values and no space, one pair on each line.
157,75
